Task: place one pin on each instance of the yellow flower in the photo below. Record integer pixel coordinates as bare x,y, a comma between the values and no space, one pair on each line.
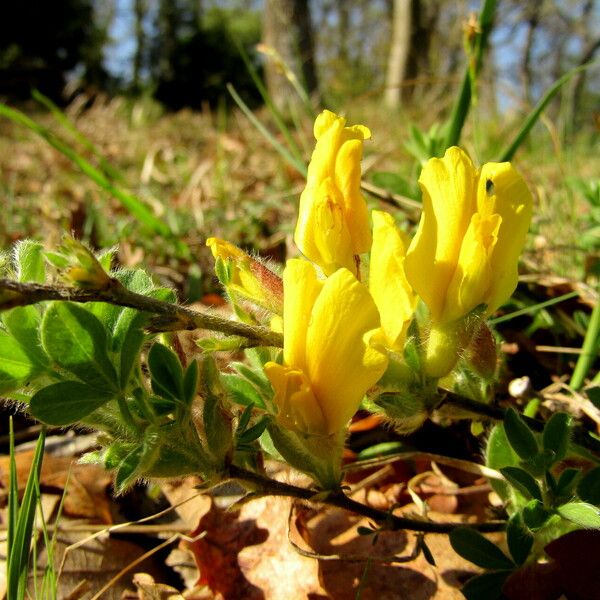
388,285
472,231
333,221
249,278
328,362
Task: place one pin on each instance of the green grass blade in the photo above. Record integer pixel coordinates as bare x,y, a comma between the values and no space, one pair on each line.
135,207
533,309
463,101
589,350
13,492
275,113
64,120
280,148
18,557
539,108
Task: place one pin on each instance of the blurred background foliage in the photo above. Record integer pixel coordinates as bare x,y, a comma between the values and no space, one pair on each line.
139,88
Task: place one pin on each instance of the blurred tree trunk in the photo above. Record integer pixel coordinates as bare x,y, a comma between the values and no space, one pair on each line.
287,29
532,18
591,44
168,25
139,57
343,23
399,51
424,17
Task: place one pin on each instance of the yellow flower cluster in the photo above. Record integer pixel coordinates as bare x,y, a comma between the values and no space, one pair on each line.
340,332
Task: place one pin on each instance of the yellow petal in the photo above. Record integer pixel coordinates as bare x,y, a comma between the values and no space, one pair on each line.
341,365
473,275
347,179
325,121
332,198
388,285
449,201
301,288
297,406
322,232
503,191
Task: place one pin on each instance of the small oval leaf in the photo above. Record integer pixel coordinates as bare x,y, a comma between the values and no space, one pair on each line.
76,341
470,544
520,437
588,488
582,513
67,402
519,538
556,435
523,481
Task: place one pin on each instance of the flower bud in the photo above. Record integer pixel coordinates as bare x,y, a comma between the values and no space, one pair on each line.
333,221
246,277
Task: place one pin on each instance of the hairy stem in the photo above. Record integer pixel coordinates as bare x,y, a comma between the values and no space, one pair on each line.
171,317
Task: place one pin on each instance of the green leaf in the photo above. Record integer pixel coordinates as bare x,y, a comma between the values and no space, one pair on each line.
242,391
15,365
166,372
257,378
556,435
581,513
23,324
223,271
128,338
470,544
535,515
523,481
67,402
76,341
217,422
521,438
127,471
254,432
588,488
190,382
486,587
519,538
566,483
428,555
499,454
29,258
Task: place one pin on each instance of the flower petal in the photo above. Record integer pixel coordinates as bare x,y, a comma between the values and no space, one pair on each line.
473,275
503,191
301,288
297,406
388,285
347,180
449,201
322,232
341,365
332,198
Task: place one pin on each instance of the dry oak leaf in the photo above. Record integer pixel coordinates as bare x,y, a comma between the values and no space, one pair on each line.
86,485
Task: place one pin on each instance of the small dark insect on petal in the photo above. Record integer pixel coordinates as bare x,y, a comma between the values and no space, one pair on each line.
489,187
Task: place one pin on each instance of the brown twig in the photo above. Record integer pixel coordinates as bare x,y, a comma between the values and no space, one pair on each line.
338,499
